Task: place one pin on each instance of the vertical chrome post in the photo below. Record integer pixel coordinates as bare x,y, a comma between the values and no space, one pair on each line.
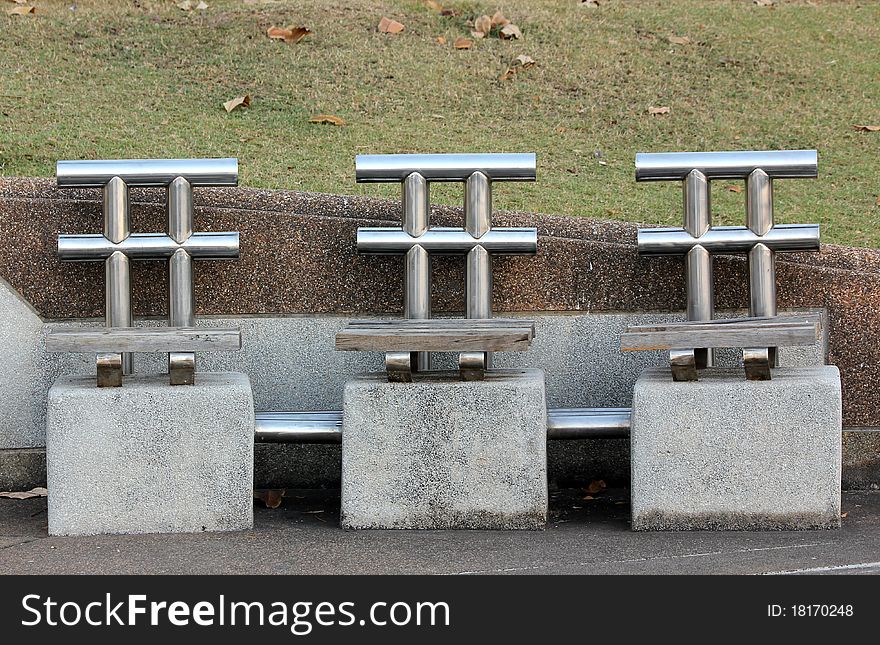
478,270
117,268
417,297
762,263
181,302
698,262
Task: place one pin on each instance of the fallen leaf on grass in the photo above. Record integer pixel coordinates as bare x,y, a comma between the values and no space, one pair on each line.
478,34
866,128
679,40
509,32
498,20
590,3
658,110
436,6
441,40
186,5
764,3
28,494
520,62
271,498
237,102
21,10
734,188
388,26
327,119
483,24
463,43
596,486
288,34
202,6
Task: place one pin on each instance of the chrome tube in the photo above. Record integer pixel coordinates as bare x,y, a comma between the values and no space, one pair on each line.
181,302
416,203
726,165
179,204
148,246
698,261
147,172
326,426
446,167
762,266
117,303
588,423
298,427
443,240
728,239
417,296
417,277
115,208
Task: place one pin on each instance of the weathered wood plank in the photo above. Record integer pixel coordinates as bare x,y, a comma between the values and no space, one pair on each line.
142,339
445,323
440,335
778,332
763,323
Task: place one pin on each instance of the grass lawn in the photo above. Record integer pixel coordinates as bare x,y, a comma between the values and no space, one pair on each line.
109,79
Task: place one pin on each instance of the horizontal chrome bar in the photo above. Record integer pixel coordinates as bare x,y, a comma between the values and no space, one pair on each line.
145,246
780,164
298,427
588,423
146,172
728,239
326,426
501,240
446,167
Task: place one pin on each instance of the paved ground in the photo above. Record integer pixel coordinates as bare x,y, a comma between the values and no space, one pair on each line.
585,536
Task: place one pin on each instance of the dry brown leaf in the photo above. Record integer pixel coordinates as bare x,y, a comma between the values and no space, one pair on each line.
271,498
498,19
764,3
680,40
388,26
587,498
449,12
658,110
734,188
844,514
596,486
483,23
866,128
520,62
288,34
436,6
441,40
237,102
463,43
510,31
28,494
21,10
478,34
327,119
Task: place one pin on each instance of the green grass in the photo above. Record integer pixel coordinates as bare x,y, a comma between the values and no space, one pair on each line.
145,79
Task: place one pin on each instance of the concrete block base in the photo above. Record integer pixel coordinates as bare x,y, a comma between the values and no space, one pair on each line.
148,457
440,453
730,454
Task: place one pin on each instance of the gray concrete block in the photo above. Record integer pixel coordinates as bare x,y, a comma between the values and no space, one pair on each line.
440,453
725,453
149,457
